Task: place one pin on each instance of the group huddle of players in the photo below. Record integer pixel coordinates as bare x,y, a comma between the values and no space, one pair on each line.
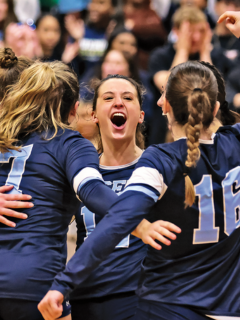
125,266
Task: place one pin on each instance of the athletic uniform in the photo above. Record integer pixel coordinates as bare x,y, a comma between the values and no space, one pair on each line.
53,172
109,292
199,273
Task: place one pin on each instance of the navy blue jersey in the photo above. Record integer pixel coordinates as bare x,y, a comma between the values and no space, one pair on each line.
201,268
51,171
121,270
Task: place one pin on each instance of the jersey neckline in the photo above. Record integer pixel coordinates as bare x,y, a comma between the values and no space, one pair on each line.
202,141
119,167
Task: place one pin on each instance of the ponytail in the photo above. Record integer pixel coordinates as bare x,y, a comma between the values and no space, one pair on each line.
199,108
41,100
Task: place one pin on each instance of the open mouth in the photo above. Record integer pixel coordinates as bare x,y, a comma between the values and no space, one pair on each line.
118,119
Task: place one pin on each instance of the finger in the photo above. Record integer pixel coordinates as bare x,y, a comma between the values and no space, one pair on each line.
5,188
7,222
170,226
12,213
18,204
166,233
44,309
231,27
225,15
16,196
153,244
160,238
55,310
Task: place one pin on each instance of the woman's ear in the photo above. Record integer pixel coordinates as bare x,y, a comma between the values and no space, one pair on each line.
216,108
94,117
141,117
72,113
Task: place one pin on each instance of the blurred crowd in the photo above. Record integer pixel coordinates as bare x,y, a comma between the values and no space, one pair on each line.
142,39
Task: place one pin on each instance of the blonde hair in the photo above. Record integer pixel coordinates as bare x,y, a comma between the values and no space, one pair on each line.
42,99
192,93
188,13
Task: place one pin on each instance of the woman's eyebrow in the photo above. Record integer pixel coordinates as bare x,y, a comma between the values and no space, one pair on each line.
127,92
107,92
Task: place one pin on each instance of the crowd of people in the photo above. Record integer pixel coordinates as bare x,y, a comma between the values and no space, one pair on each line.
139,67
149,38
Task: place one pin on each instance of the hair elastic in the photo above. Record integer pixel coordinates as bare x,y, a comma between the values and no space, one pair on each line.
197,89
187,171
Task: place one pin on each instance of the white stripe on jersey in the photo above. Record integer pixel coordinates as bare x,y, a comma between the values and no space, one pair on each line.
223,317
149,176
85,174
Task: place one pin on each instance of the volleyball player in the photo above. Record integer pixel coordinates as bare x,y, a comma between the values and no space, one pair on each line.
11,68
193,182
117,109
42,157
109,292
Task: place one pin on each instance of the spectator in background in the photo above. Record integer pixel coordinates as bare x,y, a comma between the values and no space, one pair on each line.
92,35
7,16
50,39
222,37
200,4
146,25
123,40
233,89
193,43
23,40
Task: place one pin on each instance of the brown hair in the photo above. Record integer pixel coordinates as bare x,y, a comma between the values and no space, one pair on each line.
41,100
192,91
225,115
11,68
188,13
96,84
11,17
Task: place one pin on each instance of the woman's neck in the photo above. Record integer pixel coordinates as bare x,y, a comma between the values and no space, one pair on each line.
47,53
117,153
179,132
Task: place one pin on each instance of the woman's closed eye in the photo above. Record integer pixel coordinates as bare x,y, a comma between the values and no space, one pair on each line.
128,98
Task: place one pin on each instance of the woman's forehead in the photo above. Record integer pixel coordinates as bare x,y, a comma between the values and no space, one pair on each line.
117,86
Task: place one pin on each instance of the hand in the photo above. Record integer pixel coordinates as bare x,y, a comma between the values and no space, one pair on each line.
184,37
232,21
158,230
51,305
9,201
74,26
70,52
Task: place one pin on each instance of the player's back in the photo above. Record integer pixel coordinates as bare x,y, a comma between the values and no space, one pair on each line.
199,269
35,250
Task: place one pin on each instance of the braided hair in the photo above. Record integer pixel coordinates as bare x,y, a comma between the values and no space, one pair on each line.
192,92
